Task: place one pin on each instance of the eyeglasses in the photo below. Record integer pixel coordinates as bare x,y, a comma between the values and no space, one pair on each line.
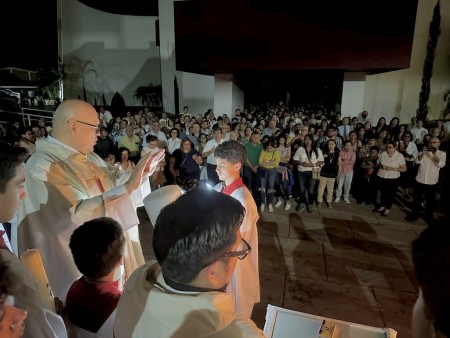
88,124
240,254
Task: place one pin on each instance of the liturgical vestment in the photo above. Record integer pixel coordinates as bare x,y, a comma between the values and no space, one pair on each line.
65,189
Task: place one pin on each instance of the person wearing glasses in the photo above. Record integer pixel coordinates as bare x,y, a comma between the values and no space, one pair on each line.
391,163
197,243
430,161
68,184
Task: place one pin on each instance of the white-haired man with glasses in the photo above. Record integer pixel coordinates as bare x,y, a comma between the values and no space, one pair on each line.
197,243
68,184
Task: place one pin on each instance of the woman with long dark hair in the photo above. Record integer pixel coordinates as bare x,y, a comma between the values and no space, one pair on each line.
330,171
307,157
184,165
381,125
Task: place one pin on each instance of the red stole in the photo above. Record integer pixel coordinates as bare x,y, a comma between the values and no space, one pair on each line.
229,189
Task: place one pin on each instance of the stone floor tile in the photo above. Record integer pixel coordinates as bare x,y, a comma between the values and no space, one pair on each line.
278,215
353,303
405,259
272,292
303,258
274,228
396,236
396,309
361,267
324,230
271,257
348,212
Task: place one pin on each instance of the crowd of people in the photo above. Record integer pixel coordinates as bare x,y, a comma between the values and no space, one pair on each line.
75,201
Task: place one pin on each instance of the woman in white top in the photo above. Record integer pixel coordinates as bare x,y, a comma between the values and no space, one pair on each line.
307,157
391,164
174,141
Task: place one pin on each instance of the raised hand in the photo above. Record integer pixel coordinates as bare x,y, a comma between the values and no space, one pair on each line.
148,163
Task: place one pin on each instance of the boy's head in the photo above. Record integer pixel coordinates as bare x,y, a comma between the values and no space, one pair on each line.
198,235
230,157
97,246
152,141
12,178
374,151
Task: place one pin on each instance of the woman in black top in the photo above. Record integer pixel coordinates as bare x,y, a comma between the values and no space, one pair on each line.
330,171
184,165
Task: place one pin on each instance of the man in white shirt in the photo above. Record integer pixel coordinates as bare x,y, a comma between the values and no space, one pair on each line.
430,161
156,132
105,116
345,128
418,132
208,152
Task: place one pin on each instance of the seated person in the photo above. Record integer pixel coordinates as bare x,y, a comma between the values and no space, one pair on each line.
431,257
97,248
197,243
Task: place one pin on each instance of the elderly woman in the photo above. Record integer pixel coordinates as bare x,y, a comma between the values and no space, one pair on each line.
184,165
391,164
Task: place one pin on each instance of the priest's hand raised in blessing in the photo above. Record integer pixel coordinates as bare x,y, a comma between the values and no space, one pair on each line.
148,164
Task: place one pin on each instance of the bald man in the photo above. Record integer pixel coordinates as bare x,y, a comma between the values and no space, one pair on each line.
68,184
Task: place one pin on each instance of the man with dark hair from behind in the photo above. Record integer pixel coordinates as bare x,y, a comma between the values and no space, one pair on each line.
197,243
97,248
431,257
12,178
244,286
14,277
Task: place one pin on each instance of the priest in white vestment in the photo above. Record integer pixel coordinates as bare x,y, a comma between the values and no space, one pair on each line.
67,184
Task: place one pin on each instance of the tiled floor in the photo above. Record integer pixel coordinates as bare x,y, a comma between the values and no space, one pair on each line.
346,263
